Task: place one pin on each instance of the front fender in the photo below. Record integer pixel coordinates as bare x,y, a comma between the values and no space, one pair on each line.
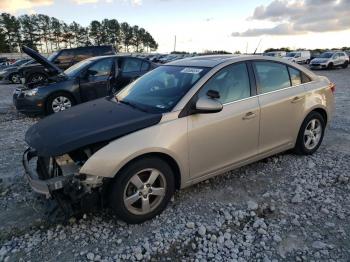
168,137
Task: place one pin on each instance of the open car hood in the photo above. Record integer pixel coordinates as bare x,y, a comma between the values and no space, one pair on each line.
97,121
41,60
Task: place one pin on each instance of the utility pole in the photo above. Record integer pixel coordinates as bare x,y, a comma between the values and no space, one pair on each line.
175,44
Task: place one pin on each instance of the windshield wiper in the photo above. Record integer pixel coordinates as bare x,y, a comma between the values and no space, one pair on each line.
131,105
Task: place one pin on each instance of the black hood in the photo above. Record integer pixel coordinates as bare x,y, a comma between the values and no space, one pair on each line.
86,124
41,60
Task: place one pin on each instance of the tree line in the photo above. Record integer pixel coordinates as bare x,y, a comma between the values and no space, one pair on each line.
47,34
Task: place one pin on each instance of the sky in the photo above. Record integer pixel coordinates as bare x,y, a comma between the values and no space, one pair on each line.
199,25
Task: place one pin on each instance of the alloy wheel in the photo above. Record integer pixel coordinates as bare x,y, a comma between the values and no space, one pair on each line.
312,134
144,191
61,103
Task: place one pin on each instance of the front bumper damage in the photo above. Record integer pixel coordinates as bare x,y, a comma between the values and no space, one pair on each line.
45,187
58,178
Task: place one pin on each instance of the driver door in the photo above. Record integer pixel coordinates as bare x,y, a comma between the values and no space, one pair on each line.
220,140
96,80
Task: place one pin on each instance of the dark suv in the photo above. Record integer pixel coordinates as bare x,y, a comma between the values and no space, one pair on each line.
63,59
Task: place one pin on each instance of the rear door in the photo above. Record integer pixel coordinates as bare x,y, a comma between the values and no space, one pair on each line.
219,140
129,70
95,81
281,98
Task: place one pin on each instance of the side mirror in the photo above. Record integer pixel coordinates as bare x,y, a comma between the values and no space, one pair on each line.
207,105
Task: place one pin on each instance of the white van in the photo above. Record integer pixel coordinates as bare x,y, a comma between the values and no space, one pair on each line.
300,57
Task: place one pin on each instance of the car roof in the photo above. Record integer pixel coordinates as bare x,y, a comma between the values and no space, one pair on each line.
114,56
212,61
203,61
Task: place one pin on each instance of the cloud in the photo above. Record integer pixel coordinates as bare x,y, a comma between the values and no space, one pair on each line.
299,17
12,6
82,2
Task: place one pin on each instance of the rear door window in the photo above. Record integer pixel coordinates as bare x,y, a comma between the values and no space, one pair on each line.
145,66
130,65
271,76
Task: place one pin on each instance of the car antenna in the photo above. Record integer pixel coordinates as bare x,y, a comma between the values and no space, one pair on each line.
256,49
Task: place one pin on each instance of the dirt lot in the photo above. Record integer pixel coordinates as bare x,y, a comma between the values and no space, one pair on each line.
286,207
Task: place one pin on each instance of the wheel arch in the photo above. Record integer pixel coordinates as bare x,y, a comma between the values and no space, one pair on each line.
166,157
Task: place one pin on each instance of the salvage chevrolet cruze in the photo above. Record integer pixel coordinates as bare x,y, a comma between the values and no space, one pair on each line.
179,124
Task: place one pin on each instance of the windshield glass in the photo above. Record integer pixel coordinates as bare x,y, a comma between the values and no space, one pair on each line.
292,54
75,69
52,56
326,55
161,89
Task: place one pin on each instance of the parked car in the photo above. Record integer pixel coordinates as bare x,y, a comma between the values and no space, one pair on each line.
10,73
182,123
276,54
87,80
330,60
63,59
300,57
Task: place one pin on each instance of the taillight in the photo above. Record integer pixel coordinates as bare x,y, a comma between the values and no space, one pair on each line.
332,87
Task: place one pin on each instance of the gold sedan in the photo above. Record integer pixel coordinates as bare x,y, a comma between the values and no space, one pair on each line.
181,123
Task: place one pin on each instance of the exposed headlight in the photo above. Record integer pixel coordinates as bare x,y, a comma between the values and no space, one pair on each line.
2,72
31,92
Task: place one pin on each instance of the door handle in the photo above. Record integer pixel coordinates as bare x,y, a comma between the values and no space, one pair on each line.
297,99
249,115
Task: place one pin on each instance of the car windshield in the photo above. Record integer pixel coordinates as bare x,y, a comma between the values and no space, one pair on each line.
161,89
52,56
75,69
291,54
326,55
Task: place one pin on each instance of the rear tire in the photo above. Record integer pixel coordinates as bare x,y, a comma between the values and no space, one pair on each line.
330,66
310,134
345,65
59,102
133,196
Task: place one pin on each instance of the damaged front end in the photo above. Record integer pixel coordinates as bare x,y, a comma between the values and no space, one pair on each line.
59,178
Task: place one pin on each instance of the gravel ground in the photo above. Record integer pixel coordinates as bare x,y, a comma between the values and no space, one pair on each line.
284,208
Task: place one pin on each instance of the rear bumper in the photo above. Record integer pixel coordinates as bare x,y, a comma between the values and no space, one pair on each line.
45,187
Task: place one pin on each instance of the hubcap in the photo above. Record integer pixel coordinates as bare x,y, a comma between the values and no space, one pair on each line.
144,191
312,134
61,103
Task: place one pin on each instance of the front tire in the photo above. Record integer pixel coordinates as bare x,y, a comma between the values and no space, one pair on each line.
142,190
59,102
310,134
330,66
